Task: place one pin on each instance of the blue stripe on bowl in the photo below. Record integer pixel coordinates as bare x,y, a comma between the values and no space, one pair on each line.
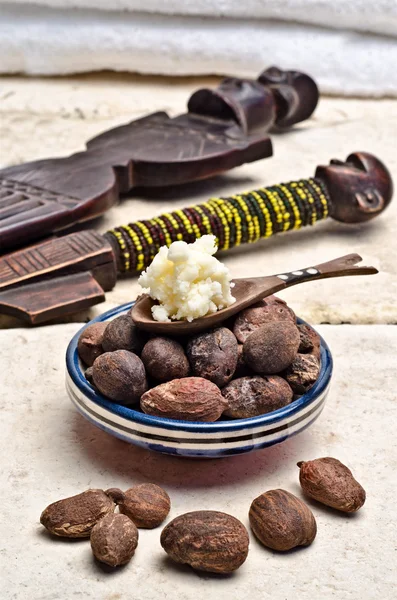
221,438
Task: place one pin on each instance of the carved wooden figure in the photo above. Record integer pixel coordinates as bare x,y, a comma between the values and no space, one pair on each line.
222,129
63,275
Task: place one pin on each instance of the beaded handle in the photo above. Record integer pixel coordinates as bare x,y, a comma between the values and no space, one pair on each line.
239,219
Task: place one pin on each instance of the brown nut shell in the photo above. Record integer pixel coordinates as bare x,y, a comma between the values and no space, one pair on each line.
88,375
114,540
265,311
252,396
206,540
74,517
123,334
165,359
188,399
147,505
213,355
242,369
272,348
310,342
89,346
330,482
120,376
302,373
281,521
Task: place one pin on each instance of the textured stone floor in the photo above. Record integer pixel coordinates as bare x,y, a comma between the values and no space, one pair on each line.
48,450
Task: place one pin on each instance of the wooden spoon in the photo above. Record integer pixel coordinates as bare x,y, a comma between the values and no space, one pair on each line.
246,292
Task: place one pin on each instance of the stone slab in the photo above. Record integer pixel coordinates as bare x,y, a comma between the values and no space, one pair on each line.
49,451
41,117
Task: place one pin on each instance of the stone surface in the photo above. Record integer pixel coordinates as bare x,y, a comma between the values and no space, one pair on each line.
50,117
49,451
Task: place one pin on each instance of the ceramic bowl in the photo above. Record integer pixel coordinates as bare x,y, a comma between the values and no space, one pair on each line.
193,439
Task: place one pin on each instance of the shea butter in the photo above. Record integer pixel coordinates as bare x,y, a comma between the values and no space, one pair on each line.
187,281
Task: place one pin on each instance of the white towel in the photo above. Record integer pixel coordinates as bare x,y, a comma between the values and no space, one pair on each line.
379,16
40,40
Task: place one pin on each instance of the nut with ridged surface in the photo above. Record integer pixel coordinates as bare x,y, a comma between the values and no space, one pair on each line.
302,373
330,482
310,342
281,521
74,517
147,505
114,540
89,346
206,540
188,399
252,396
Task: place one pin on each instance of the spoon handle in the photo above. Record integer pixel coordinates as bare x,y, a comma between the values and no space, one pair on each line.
339,267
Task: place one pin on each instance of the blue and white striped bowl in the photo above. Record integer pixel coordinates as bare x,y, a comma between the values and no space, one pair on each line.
193,439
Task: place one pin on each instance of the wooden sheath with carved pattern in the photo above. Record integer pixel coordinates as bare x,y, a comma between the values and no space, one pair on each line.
222,129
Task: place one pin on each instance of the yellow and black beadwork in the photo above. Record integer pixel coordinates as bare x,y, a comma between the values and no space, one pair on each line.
240,219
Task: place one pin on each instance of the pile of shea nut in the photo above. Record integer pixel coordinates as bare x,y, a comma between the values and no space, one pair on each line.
206,540
255,363
259,362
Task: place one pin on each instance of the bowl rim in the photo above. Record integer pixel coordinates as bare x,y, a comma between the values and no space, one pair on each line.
77,376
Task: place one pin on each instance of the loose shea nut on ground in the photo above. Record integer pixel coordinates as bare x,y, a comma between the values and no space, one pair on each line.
252,396
114,540
120,376
207,541
189,399
265,311
213,355
147,505
330,482
165,359
272,348
74,517
281,521
302,373
89,345
122,334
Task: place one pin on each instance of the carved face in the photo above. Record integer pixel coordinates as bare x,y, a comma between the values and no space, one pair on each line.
360,188
244,101
296,94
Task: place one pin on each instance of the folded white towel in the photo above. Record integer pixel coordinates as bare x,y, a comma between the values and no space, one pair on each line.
39,40
378,16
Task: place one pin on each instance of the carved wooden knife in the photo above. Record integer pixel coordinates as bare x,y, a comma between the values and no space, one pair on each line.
70,273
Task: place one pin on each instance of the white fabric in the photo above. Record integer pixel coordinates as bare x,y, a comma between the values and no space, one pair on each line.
362,15
39,40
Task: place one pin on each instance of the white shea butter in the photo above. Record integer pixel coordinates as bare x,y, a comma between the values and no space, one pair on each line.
187,281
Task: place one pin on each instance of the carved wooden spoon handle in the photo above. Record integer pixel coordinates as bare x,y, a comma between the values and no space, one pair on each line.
339,267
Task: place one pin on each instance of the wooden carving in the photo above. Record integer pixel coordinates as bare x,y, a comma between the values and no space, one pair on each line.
223,129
